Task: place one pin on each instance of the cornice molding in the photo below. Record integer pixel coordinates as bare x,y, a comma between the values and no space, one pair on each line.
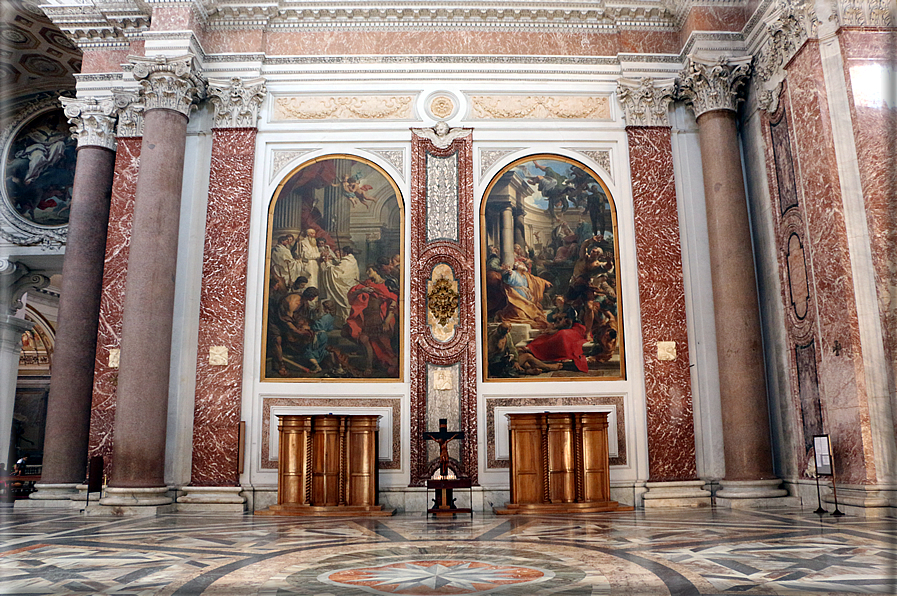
92,120
100,23
708,85
169,83
646,101
236,101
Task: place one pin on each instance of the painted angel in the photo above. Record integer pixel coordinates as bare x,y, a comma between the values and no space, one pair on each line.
354,189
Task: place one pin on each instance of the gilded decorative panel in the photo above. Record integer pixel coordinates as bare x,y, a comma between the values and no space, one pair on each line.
540,107
350,107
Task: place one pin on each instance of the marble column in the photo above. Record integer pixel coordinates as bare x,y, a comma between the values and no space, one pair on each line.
672,471
214,483
169,88
69,402
712,89
507,236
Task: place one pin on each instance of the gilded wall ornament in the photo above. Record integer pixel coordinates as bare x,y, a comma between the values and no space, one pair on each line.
350,107
443,300
442,107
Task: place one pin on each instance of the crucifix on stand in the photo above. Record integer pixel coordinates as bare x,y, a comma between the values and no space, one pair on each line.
445,481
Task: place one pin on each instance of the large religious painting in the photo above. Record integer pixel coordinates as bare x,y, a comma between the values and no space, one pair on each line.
333,297
551,277
39,170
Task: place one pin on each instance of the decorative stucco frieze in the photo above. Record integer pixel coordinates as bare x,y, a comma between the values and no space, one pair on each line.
169,83
92,120
350,107
788,27
864,13
279,159
540,107
646,102
488,157
237,101
708,85
130,114
599,156
396,157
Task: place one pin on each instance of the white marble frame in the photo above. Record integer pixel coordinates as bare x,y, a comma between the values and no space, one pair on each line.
502,440
384,424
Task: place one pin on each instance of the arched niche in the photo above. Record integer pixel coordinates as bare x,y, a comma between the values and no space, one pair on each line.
550,274
335,224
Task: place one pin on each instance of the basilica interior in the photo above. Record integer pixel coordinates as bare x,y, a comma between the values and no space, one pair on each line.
586,289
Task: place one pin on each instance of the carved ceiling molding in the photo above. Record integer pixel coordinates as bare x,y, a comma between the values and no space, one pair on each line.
349,107
237,101
646,101
788,27
101,23
540,107
92,120
708,85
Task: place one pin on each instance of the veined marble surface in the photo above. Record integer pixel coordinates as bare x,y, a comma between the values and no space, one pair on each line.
635,553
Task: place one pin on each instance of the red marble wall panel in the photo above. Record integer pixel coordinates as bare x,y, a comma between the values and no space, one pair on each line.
671,433
103,60
324,43
713,18
649,42
461,349
222,308
840,366
241,41
121,212
868,54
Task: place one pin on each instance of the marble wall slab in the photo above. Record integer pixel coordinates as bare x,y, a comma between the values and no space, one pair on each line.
127,162
839,351
222,309
870,71
671,434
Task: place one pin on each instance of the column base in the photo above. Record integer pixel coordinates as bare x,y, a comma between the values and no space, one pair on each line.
679,493
863,501
49,496
125,502
754,494
81,498
212,499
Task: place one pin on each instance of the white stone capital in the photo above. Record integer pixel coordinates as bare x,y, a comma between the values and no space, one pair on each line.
129,107
646,101
92,120
168,83
709,85
237,101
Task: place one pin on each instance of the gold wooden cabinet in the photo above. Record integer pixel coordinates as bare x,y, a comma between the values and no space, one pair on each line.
559,464
327,466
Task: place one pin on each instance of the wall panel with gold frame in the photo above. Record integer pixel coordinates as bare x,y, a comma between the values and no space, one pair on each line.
333,292
550,274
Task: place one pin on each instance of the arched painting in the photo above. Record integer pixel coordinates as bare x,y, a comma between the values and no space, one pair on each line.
39,170
550,274
333,296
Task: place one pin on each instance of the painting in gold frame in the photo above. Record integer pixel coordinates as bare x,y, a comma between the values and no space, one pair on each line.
333,274
550,274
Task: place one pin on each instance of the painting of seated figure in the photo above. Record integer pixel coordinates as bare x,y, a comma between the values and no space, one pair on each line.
333,300
550,274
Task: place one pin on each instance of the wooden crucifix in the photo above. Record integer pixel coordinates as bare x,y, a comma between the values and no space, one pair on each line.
443,438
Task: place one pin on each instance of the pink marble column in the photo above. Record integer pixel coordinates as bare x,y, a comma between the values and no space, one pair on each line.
68,406
219,367
168,89
712,90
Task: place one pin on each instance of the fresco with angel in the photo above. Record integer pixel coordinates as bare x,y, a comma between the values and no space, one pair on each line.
333,296
550,272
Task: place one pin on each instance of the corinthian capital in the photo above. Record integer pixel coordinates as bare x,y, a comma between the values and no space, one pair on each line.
237,101
92,120
646,101
168,83
714,84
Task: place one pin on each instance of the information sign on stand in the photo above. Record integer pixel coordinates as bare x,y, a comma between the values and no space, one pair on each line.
825,466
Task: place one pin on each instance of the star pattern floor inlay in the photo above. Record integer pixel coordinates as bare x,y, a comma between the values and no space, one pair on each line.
655,552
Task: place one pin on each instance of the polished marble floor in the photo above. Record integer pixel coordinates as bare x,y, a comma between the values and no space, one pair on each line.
649,553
